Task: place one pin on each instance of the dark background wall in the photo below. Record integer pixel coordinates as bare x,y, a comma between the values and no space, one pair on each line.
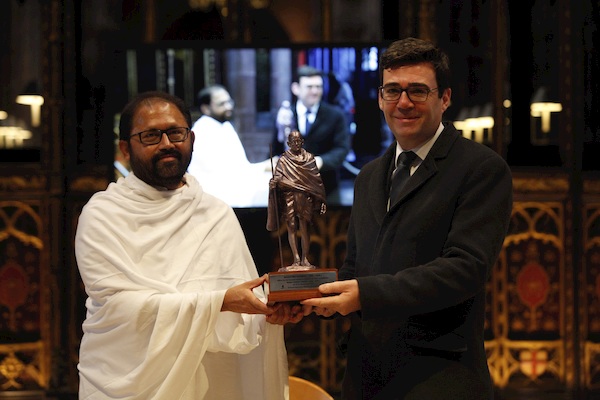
542,330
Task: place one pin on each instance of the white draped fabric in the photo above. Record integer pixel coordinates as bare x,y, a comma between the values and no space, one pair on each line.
156,265
220,163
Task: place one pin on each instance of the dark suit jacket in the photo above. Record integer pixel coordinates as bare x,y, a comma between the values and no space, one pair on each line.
422,269
328,138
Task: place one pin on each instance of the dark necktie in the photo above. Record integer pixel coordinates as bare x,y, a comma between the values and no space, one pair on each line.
308,124
401,175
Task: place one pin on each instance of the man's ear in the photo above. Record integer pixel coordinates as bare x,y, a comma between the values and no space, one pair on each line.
446,99
205,109
125,149
192,138
295,88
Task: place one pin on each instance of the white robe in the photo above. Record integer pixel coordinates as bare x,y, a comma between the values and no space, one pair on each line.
220,163
156,265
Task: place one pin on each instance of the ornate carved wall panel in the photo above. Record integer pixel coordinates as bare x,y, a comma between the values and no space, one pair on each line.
531,344
24,309
590,284
543,312
529,294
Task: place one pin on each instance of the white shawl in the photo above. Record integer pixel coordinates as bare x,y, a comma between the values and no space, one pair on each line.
156,265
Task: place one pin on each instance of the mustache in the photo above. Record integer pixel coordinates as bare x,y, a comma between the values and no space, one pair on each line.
167,153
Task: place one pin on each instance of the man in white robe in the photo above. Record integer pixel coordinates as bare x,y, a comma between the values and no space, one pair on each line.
219,160
175,308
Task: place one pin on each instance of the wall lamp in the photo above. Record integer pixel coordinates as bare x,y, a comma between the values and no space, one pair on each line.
14,133
542,106
473,122
34,101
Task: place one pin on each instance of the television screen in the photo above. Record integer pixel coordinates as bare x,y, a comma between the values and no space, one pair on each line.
259,80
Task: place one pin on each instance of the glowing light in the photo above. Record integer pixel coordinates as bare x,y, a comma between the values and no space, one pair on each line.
13,136
544,111
35,101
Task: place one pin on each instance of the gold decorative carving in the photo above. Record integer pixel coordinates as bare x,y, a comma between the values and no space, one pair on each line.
20,365
11,221
89,184
11,368
591,360
541,184
590,297
20,182
591,186
531,360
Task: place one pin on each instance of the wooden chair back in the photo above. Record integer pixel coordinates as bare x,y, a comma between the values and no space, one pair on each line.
302,389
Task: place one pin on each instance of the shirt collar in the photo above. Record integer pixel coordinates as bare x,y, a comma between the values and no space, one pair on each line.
423,149
301,108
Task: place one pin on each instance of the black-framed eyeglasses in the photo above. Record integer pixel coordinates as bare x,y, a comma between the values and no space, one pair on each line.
154,136
416,94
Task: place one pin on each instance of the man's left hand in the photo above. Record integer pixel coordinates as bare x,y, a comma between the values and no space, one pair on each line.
341,297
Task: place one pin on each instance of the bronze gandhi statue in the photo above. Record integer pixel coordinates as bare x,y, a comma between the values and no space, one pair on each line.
296,192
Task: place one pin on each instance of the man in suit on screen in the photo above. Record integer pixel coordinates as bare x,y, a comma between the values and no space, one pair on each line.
322,125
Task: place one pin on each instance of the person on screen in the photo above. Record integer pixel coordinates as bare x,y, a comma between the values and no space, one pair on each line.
297,192
219,160
413,282
175,307
323,126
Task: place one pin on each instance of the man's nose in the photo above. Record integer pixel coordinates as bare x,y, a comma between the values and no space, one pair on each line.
164,141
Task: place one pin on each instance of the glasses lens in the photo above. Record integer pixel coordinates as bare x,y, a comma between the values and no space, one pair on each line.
177,134
151,137
417,94
391,93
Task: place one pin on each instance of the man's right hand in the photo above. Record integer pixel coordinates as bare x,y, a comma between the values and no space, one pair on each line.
284,313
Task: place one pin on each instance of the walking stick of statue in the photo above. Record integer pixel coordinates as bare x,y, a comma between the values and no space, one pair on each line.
276,207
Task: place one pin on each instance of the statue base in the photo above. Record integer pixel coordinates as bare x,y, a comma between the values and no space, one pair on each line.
298,283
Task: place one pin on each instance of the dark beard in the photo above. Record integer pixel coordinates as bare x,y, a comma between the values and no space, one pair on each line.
161,173
223,117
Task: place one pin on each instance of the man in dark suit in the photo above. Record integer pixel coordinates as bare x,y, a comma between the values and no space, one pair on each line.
413,281
326,134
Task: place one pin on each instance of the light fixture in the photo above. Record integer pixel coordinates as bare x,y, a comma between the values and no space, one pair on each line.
13,137
473,122
14,133
32,97
542,106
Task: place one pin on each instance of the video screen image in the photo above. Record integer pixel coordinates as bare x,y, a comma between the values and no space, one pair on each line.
259,81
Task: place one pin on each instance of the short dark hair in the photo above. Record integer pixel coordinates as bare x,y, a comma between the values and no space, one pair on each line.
305,71
205,95
411,51
125,122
